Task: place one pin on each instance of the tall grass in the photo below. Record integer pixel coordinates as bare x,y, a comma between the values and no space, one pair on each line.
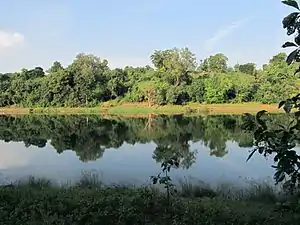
33,182
257,192
39,201
89,179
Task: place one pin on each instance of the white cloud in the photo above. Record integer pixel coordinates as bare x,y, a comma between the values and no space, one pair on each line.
223,33
10,40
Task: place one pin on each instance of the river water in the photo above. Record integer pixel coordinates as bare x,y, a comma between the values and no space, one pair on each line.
212,149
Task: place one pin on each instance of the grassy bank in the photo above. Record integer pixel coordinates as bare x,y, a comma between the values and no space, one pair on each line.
142,109
39,202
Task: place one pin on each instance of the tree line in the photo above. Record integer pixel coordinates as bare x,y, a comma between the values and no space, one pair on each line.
90,136
175,78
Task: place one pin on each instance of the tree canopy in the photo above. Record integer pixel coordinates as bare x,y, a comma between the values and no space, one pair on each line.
176,77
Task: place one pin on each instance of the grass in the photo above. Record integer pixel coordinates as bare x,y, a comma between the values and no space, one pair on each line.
140,109
90,202
255,192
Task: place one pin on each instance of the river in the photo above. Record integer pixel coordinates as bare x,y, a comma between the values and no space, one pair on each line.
212,149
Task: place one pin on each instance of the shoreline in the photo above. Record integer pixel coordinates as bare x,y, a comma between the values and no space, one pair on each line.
140,110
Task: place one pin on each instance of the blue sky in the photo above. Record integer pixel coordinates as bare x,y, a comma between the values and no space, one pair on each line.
36,33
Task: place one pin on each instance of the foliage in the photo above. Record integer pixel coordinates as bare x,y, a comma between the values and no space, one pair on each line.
176,78
216,63
280,140
219,88
247,68
166,179
123,205
176,63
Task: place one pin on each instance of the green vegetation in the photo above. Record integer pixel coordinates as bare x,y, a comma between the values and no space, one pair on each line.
40,202
279,140
175,79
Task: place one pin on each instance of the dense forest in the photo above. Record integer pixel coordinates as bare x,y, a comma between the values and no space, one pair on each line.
90,136
176,78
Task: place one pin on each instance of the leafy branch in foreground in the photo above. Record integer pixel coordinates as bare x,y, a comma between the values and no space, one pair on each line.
280,140
164,178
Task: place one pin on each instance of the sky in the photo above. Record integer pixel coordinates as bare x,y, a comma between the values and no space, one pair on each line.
37,33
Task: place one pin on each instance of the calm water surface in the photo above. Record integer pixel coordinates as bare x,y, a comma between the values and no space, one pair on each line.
213,149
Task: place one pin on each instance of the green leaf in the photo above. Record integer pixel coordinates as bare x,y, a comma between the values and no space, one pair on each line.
281,104
292,146
257,134
260,114
154,180
297,39
289,44
292,57
251,154
288,106
297,114
292,154
261,150
289,21
279,176
248,115
295,126
297,97
292,3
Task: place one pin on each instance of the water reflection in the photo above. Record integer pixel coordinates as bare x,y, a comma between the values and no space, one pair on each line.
210,148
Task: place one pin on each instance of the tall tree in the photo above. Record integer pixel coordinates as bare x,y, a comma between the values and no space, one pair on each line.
176,63
56,66
247,68
89,74
117,79
215,63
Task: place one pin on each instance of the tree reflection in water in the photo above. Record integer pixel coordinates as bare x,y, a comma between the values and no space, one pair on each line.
90,136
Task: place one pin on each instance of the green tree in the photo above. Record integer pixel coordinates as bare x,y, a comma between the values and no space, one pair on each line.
177,95
277,80
215,63
60,88
247,68
196,90
176,63
56,66
89,74
5,95
219,88
117,79
148,91
244,87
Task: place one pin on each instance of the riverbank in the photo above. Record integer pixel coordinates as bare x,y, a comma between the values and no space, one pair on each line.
39,202
136,109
